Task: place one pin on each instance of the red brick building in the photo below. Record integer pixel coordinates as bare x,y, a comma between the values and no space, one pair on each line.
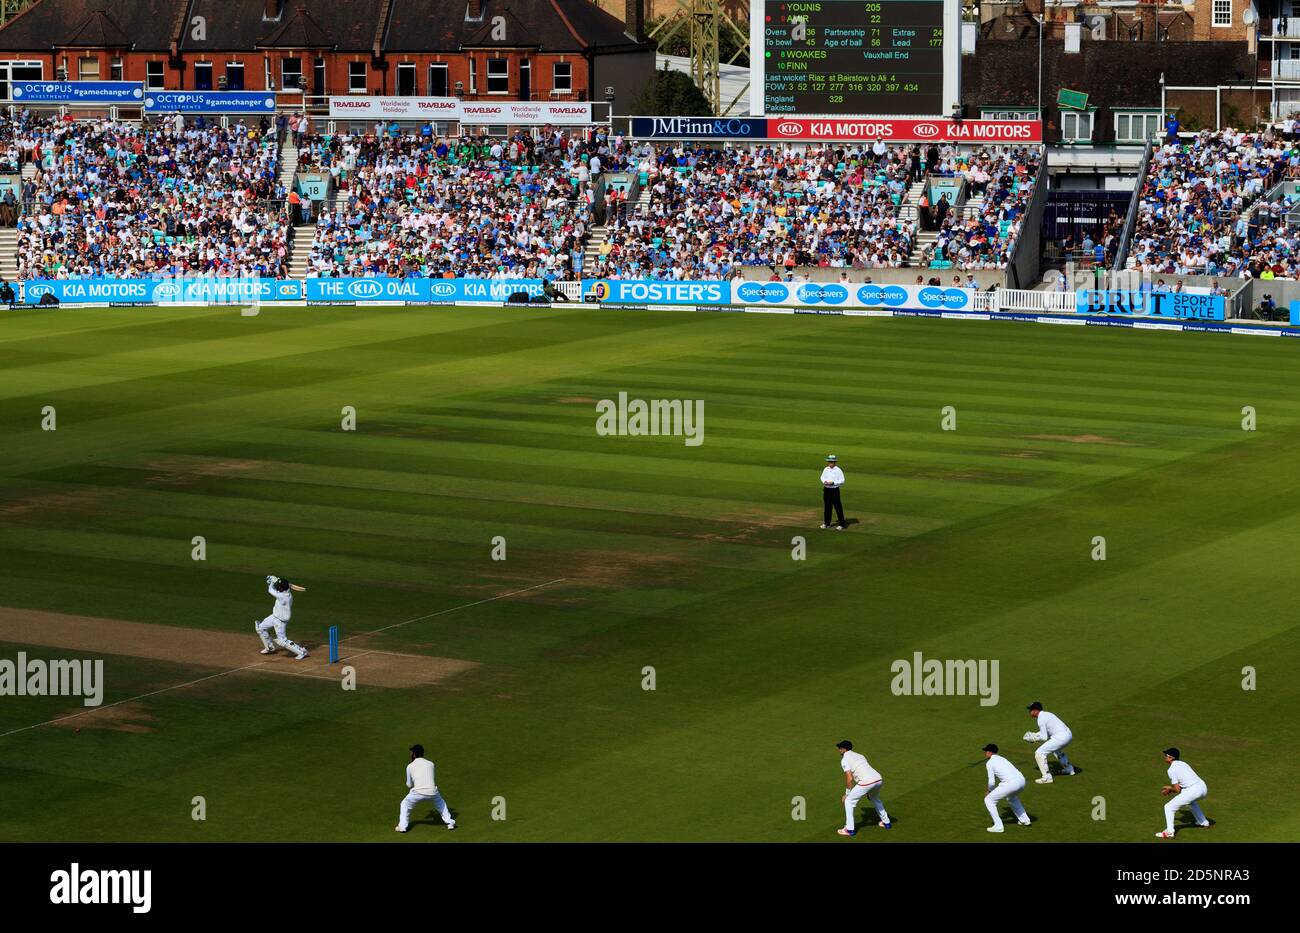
477,49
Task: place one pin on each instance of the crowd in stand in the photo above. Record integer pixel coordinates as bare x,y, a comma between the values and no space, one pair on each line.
117,199
1199,211
1000,182
713,211
189,197
413,204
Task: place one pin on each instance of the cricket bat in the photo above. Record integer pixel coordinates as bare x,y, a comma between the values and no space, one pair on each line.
296,588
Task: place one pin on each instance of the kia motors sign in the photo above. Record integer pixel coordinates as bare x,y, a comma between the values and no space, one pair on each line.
867,129
452,108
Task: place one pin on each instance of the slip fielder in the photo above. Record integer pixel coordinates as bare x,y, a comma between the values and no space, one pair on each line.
1186,789
419,777
1055,735
1005,781
282,591
860,780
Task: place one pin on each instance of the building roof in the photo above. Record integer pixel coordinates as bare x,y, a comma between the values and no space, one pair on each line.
300,31
238,25
98,31
549,25
1122,73
493,33
145,24
345,25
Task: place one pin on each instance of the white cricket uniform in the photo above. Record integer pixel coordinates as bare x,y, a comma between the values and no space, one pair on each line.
1193,789
1055,735
833,475
419,777
278,620
867,783
1005,781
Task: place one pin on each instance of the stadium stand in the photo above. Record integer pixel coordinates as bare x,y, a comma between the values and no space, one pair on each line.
713,212
1195,212
122,199
1001,184
413,204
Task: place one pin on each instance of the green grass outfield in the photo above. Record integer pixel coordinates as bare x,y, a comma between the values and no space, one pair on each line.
972,543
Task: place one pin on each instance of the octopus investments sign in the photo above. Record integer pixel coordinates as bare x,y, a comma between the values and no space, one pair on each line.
210,102
78,92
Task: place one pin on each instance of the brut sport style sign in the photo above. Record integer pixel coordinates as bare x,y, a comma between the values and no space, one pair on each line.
1151,303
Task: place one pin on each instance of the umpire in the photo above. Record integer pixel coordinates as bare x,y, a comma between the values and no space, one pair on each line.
832,480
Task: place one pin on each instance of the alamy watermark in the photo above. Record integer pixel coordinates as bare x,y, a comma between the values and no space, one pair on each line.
948,677
79,885
34,677
658,417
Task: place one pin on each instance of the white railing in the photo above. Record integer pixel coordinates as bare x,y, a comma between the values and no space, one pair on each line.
986,301
1022,299
1287,67
572,290
1286,26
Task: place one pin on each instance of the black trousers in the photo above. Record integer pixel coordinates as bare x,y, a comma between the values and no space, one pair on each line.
831,498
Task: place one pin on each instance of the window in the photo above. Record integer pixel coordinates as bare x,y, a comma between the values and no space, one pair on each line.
525,80
562,77
153,76
203,76
438,80
498,76
473,76
406,79
1222,13
356,77
1136,127
88,69
115,70
290,74
318,75
234,76
18,71
1008,114
1076,127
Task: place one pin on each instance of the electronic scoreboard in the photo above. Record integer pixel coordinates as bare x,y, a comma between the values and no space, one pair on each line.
839,57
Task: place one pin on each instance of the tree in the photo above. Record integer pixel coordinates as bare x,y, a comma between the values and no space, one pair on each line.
672,94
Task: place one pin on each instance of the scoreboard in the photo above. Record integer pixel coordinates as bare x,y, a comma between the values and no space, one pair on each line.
839,57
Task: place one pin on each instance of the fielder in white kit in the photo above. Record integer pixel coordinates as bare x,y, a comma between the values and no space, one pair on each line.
1055,735
860,780
419,777
278,620
1005,781
1186,789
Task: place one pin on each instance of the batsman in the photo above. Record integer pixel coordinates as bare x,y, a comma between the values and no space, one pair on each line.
282,591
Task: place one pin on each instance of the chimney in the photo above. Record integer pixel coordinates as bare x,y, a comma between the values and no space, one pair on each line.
474,10
634,19
271,9
1149,15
